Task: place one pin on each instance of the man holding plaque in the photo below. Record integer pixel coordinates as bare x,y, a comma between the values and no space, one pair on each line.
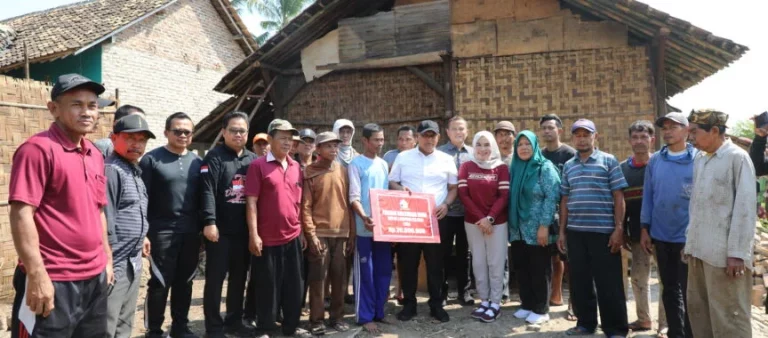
424,170
373,261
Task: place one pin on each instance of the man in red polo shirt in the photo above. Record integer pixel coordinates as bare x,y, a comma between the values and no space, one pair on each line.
273,189
57,196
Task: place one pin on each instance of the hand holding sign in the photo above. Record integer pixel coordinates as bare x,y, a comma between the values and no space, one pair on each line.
404,216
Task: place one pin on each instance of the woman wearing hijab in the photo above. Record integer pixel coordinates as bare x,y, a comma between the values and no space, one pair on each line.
533,196
346,130
484,188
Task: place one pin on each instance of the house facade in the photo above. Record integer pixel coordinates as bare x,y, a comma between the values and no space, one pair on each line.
399,62
164,56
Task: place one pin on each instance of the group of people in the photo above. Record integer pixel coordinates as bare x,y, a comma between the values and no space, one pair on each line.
291,220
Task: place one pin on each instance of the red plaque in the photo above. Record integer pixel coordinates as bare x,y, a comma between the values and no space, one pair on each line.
403,217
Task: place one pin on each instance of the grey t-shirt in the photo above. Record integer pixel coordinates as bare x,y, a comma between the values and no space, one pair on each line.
390,157
172,183
456,209
105,146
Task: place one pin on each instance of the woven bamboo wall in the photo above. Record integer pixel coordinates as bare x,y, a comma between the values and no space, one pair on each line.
610,86
16,125
391,98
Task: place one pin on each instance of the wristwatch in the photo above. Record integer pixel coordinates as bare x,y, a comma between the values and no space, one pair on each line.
490,219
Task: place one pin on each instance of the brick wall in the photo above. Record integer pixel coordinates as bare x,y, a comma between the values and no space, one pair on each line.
171,61
610,86
390,97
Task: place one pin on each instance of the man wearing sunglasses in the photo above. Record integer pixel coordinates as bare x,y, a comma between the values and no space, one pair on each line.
171,175
223,179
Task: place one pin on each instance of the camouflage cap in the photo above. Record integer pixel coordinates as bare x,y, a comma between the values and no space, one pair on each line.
708,117
278,124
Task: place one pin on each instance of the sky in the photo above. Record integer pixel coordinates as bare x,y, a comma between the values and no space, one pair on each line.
741,90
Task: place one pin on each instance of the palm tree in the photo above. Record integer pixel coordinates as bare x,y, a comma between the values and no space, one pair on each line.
276,13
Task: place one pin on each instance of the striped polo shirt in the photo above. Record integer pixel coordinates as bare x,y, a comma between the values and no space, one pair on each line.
589,186
126,213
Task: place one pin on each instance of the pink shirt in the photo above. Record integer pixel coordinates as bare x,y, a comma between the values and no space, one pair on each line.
68,187
279,192
484,192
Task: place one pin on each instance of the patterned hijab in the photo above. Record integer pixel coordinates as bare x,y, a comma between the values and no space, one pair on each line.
524,175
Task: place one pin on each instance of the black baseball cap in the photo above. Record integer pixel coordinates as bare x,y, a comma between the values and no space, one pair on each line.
68,82
307,133
133,123
428,125
103,103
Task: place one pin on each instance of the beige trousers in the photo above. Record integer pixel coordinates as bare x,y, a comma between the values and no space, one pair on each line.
641,287
718,305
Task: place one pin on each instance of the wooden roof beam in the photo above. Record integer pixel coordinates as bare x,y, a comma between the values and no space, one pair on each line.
395,62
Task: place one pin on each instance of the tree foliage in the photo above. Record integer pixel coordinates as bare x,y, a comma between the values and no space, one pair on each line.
276,13
743,128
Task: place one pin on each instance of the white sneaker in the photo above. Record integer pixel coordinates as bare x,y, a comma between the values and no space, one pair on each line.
535,318
522,314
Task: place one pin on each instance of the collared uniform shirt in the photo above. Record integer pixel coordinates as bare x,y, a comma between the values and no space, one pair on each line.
65,182
430,174
278,187
460,156
723,207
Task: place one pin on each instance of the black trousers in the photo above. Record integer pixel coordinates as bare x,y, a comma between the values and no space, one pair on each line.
279,286
408,258
595,268
452,228
674,277
249,308
173,266
80,310
534,275
229,255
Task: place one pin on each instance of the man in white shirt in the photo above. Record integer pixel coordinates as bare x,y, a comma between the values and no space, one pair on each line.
424,170
720,233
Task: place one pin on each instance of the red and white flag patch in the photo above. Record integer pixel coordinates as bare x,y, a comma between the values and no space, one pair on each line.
204,169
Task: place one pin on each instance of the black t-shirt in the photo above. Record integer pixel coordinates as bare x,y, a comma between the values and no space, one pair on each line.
172,183
558,158
633,198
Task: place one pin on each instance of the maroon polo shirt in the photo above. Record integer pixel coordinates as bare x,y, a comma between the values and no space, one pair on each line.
279,193
66,184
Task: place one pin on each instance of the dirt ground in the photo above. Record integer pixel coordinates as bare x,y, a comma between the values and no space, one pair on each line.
422,326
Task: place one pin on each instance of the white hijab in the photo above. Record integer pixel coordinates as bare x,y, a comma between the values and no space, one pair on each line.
346,152
495,159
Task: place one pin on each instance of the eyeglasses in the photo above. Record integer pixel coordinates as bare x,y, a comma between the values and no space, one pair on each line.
180,132
238,131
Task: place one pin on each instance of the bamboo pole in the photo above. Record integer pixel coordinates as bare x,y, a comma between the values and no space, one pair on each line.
26,61
250,116
217,118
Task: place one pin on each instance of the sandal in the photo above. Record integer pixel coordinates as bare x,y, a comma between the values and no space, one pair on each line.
340,326
662,333
571,317
318,330
578,331
635,326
